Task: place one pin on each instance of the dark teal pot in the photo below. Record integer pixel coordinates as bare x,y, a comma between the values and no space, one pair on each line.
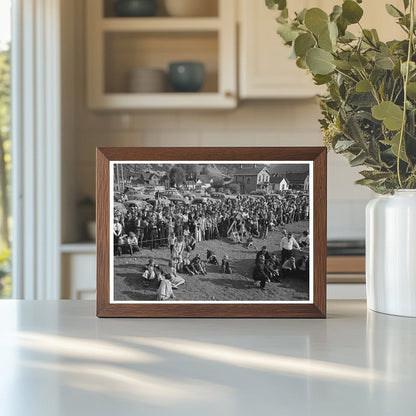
186,76
135,8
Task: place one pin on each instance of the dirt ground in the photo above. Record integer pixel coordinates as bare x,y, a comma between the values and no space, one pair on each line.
129,284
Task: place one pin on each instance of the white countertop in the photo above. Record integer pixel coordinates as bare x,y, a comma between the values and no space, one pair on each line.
57,358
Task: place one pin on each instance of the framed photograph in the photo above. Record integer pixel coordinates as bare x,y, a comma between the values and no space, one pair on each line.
211,232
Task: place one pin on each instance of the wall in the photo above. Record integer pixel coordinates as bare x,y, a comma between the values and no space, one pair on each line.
254,123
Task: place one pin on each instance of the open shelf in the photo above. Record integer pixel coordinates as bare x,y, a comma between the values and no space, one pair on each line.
126,51
116,46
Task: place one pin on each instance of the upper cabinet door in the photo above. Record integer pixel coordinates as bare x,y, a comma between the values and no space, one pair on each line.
266,71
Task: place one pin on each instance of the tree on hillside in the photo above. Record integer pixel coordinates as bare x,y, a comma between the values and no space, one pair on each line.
191,170
176,176
217,182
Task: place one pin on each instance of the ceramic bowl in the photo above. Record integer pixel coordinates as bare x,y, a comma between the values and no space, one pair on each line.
135,8
147,80
186,76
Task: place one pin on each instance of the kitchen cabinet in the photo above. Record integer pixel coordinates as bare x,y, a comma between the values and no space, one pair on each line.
78,280
118,45
265,70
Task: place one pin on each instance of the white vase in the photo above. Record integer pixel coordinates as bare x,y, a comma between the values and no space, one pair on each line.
391,253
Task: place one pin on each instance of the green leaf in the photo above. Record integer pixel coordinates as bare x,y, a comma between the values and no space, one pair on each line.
374,175
393,11
365,182
321,79
336,12
388,112
406,4
343,145
301,63
394,144
347,37
301,15
342,25
384,62
358,160
358,61
325,42
303,43
411,90
316,20
276,4
363,86
344,65
319,61
287,33
375,35
351,11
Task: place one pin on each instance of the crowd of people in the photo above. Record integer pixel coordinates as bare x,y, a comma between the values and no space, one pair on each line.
181,227
153,226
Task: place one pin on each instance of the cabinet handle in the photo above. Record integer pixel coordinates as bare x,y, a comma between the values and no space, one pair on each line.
229,94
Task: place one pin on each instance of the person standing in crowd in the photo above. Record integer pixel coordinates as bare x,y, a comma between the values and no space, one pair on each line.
132,243
287,244
178,248
171,243
259,274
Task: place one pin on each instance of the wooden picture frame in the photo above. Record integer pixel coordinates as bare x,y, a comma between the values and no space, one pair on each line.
315,157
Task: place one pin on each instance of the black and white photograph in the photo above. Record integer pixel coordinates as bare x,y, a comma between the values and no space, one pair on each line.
211,232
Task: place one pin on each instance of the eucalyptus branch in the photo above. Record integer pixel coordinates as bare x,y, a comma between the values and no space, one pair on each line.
406,79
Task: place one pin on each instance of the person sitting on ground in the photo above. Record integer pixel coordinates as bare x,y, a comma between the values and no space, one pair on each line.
186,264
132,242
211,257
272,268
225,265
164,291
176,280
304,240
289,266
259,275
303,265
198,265
250,242
150,271
263,253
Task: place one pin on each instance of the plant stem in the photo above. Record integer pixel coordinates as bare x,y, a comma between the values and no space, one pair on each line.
405,81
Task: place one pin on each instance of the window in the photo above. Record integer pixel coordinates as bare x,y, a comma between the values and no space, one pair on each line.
5,145
248,181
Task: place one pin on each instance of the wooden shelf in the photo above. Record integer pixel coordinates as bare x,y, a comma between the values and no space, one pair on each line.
164,100
160,24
